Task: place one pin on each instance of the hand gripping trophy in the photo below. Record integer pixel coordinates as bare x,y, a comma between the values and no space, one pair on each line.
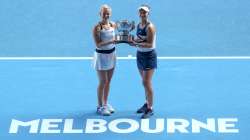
124,27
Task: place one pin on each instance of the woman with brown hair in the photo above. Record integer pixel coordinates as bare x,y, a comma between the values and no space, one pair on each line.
146,57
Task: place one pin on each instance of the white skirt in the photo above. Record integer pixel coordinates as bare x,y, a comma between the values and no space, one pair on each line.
103,61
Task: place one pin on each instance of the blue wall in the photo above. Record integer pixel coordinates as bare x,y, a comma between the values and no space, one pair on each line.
64,27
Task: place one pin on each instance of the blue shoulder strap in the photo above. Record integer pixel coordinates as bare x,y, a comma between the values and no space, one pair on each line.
143,29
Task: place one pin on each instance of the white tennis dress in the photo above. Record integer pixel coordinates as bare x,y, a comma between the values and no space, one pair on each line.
103,61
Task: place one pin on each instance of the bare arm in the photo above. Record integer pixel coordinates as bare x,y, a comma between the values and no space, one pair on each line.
113,25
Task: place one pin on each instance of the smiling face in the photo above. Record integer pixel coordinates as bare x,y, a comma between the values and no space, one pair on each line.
143,14
105,13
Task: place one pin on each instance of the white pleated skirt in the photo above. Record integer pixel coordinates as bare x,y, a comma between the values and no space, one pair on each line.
102,61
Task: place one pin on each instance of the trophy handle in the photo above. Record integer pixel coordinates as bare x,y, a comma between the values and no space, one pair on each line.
117,23
133,25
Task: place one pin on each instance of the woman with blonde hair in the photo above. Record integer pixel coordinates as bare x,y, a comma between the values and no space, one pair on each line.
104,58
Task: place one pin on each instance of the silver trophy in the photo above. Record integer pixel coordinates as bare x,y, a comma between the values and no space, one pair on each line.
124,27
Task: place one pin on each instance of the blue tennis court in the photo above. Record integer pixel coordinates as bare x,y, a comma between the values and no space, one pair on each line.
46,50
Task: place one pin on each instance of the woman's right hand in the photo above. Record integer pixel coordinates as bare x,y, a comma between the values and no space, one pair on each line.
114,41
131,41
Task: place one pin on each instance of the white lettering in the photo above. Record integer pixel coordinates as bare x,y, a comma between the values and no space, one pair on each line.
125,125
226,125
197,125
68,127
159,126
133,125
177,124
32,124
91,124
49,125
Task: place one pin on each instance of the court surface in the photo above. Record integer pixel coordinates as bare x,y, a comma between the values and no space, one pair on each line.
203,67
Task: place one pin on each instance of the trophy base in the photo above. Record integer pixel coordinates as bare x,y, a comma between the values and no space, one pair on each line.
124,38
122,41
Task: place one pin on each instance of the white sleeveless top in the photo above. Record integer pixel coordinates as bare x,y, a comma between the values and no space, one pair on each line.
107,35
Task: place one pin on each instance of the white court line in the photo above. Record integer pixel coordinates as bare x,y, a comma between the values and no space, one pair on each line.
131,58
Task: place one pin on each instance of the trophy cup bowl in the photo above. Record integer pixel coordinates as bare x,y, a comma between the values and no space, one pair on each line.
124,27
